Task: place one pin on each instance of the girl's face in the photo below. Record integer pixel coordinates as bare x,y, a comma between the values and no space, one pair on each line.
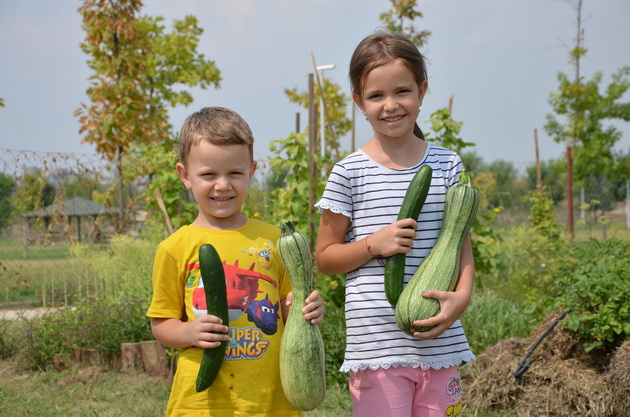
219,177
391,100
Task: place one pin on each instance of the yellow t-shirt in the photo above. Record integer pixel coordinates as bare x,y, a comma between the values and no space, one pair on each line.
249,381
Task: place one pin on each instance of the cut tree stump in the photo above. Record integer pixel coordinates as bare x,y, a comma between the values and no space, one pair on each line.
131,357
86,357
154,358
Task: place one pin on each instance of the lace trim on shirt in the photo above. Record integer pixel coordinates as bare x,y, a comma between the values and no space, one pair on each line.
414,364
333,208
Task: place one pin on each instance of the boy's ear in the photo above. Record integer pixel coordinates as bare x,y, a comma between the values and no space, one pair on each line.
252,170
183,174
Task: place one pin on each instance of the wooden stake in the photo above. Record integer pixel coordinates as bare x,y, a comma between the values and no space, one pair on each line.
538,173
328,122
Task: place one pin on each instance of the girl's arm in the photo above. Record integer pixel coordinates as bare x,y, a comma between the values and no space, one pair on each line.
334,256
206,332
452,304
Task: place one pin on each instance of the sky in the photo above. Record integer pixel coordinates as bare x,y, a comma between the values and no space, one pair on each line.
499,59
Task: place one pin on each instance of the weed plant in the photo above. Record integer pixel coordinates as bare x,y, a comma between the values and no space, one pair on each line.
594,284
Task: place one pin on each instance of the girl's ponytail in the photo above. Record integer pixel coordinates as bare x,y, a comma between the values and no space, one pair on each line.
417,131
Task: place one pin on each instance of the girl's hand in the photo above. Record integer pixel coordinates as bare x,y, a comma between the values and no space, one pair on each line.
206,332
452,305
314,308
396,238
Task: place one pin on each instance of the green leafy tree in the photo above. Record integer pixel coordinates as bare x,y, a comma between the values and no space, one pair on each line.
7,187
400,19
553,175
33,192
507,188
137,70
580,110
336,102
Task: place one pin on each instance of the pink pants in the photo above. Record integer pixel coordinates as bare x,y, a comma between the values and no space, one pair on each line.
406,392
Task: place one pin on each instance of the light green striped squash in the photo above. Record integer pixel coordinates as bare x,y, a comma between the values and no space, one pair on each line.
302,367
440,269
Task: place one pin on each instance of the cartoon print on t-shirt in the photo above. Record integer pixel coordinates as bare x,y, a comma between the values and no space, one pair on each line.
242,291
262,253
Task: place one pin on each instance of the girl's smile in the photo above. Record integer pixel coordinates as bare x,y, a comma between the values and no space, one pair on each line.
391,100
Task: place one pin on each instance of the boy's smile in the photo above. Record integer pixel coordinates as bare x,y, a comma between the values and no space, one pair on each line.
219,178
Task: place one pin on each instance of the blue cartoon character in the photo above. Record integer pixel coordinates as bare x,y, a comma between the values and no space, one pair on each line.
264,315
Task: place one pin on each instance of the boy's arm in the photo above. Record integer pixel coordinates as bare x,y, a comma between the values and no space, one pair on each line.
334,256
206,332
452,304
312,311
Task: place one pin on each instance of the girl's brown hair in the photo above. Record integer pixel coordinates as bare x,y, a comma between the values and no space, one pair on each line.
379,49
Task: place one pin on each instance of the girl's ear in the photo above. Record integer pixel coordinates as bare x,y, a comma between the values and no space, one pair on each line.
358,101
183,174
422,89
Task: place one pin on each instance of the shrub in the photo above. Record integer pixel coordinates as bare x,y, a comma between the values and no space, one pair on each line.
490,319
100,324
332,289
594,283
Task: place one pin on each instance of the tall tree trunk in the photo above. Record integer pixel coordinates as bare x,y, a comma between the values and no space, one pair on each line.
121,191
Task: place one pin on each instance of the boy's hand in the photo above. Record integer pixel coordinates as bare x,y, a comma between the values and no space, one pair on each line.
314,308
396,238
452,305
207,332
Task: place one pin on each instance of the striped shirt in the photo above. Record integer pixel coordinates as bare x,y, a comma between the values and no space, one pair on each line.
371,196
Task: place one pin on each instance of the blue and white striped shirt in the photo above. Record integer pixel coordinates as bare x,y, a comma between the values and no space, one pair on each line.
371,196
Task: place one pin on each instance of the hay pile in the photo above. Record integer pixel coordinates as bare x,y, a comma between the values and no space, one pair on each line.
561,380
618,379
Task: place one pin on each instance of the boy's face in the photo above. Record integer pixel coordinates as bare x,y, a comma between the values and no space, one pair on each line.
219,177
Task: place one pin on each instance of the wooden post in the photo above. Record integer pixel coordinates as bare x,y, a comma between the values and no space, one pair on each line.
312,150
570,194
154,358
131,357
538,174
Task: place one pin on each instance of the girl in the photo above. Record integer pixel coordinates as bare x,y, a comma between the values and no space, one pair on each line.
392,373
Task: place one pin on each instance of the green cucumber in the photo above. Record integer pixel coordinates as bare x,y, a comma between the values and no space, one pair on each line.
211,269
411,207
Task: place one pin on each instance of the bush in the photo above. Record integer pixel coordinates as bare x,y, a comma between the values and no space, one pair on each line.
332,289
594,283
99,324
490,319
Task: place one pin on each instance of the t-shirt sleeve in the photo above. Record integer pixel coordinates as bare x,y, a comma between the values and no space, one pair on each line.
455,167
337,196
168,291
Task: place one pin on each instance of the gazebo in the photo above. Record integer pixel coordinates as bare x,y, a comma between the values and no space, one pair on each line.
75,207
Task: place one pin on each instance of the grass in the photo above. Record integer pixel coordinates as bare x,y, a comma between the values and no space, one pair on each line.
11,250
96,392
81,392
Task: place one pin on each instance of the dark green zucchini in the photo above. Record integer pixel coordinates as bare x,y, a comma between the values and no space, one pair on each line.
411,207
215,290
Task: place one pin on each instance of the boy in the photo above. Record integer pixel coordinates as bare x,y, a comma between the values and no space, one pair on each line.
216,163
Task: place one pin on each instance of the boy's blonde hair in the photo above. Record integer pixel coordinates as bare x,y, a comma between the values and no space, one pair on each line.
215,125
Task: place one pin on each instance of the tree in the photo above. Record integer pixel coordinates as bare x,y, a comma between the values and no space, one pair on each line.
553,173
395,21
136,68
582,110
7,187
